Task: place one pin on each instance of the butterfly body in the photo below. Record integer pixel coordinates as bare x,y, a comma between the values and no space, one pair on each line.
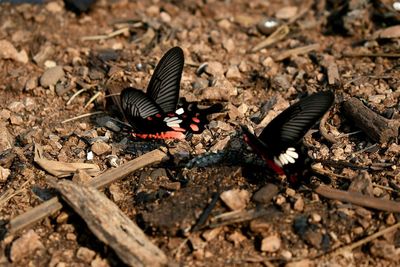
156,113
280,143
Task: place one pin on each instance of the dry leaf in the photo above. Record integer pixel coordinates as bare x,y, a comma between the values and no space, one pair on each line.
63,169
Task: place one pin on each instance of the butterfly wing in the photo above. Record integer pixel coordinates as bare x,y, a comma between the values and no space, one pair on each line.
164,85
289,127
137,106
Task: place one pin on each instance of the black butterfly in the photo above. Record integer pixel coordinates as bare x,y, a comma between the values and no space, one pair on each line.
154,114
280,143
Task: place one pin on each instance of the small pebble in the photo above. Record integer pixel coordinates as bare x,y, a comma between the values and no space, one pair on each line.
25,246
4,174
236,199
286,12
214,68
100,148
271,243
299,204
51,76
8,51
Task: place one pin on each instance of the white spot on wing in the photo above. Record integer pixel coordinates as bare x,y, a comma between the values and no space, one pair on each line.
179,111
289,156
173,122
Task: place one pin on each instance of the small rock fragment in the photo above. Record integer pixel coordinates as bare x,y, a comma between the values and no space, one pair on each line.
16,120
229,45
46,52
382,249
100,148
233,73
265,194
236,238
99,262
287,12
299,204
54,7
261,226
8,51
16,106
214,68
85,254
25,246
281,82
236,199
209,235
271,243
4,173
51,76
116,192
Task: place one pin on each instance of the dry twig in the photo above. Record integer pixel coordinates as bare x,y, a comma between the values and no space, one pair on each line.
53,205
358,199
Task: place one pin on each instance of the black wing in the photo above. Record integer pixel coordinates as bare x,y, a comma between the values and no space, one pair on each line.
165,83
289,127
137,106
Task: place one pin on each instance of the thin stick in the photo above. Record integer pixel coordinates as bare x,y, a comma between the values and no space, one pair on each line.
358,199
296,51
93,98
76,94
323,130
53,205
105,36
389,55
83,116
10,193
361,242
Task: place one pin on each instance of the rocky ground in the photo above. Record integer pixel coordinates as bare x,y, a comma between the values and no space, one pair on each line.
57,65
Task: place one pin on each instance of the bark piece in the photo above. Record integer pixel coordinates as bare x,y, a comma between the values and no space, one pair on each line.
375,126
111,225
53,205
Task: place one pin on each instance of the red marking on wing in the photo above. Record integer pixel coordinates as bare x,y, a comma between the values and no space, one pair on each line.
149,118
162,135
179,129
194,127
196,120
278,170
158,115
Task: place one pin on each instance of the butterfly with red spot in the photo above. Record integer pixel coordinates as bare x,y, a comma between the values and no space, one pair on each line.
154,114
280,143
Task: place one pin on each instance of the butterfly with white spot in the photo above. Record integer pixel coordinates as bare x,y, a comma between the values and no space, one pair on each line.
154,114
280,143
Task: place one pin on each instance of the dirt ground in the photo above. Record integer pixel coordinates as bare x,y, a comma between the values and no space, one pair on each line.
56,65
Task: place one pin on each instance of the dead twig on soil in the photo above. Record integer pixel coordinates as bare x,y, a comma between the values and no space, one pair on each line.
361,242
111,225
373,125
83,116
358,199
324,131
275,37
232,217
105,36
93,98
53,205
296,51
10,193
389,55
76,94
